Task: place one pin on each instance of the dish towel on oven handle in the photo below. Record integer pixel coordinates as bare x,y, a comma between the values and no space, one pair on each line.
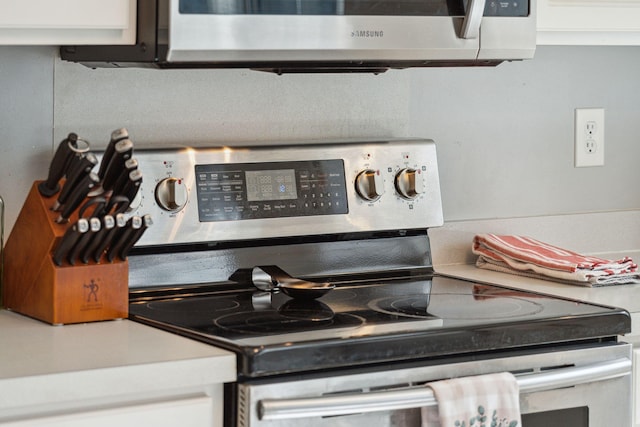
532,258
482,400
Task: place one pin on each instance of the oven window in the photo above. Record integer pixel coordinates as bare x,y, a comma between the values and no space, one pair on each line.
572,417
325,7
349,7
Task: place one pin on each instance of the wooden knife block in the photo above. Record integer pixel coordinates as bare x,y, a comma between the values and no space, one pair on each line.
36,287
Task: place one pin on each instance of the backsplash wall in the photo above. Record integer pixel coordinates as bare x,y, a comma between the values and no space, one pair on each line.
504,135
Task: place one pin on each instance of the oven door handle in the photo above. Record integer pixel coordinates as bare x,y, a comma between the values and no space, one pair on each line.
417,397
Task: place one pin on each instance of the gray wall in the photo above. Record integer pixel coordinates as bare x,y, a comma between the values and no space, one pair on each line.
504,135
26,122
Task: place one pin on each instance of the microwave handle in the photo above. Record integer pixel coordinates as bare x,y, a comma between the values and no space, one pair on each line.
345,404
473,19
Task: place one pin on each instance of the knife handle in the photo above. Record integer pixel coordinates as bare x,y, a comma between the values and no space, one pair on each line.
69,239
129,166
146,223
133,184
108,237
77,196
108,223
84,240
82,168
61,158
123,152
116,136
125,235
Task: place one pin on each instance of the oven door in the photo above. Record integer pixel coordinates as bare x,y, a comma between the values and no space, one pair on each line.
586,387
383,32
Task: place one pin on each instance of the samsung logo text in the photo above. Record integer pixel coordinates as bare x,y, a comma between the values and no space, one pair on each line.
366,34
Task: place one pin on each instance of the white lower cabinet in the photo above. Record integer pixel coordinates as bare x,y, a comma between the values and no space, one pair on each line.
195,411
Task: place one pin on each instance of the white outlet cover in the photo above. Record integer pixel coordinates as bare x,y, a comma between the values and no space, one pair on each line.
589,137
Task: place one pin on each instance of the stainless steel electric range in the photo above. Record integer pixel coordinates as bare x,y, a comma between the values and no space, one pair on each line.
312,263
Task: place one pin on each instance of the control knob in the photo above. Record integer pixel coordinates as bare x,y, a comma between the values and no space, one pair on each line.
171,194
408,183
369,185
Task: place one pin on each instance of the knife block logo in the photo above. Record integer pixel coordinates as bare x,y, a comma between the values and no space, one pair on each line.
90,296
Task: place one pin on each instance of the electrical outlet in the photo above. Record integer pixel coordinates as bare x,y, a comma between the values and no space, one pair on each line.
589,137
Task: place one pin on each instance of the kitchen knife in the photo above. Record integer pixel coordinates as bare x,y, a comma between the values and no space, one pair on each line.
125,235
82,168
133,239
77,196
69,239
84,240
133,184
60,160
108,223
108,237
123,151
129,166
116,136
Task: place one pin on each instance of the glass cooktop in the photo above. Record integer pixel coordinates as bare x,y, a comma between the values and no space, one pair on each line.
373,322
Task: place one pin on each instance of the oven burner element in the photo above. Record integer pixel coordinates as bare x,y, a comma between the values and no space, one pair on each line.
287,319
211,305
479,306
405,306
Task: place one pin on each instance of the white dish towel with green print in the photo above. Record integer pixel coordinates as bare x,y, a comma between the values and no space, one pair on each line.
483,400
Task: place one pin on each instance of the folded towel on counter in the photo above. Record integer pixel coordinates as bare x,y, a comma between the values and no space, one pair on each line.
491,400
529,257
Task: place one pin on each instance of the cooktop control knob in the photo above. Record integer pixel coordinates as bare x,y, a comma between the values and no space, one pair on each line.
171,194
369,185
408,183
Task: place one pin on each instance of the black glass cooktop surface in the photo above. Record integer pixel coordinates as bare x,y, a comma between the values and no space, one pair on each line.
372,322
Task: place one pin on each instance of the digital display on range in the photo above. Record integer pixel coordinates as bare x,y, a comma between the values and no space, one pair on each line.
271,185
239,191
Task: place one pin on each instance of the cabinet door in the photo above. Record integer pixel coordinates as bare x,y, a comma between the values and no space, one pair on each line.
57,22
588,22
187,412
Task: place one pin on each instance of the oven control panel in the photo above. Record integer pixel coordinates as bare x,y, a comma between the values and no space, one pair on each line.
239,191
214,194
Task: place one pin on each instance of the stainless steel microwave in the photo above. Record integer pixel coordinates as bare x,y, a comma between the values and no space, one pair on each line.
321,35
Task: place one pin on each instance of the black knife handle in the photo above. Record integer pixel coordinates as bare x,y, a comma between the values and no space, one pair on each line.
108,223
69,239
129,166
116,136
109,236
146,223
83,167
77,196
61,158
123,152
84,240
133,184
124,236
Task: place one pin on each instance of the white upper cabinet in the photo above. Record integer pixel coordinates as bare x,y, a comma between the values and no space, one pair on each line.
588,22
60,22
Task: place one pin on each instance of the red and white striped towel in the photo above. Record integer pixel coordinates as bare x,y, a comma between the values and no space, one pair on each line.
529,257
491,400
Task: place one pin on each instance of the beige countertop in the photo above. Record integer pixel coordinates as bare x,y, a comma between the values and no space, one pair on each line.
43,365
610,235
624,296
